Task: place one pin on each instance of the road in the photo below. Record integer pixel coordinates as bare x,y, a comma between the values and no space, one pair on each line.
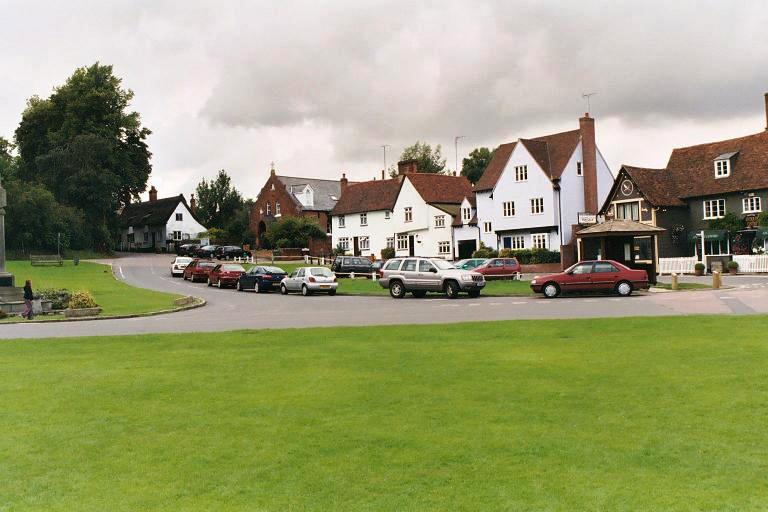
228,309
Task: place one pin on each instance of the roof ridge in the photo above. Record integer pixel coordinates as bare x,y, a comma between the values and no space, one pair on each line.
305,178
722,141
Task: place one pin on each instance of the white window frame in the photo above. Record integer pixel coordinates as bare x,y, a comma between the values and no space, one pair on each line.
444,247
713,213
277,208
466,215
342,221
487,227
439,221
269,209
518,242
752,204
722,168
363,219
364,243
623,206
540,241
508,208
390,242
177,235
521,173
579,169
344,243
537,206
408,213
402,242
386,214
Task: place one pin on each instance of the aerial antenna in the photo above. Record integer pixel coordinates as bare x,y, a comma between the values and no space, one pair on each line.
587,97
384,147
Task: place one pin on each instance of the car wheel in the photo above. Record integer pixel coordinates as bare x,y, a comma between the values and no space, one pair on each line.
218,283
332,293
283,289
551,290
474,293
396,289
256,287
451,289
305,291
624,288
419,294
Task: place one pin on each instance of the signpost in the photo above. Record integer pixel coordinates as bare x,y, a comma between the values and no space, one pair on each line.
587,218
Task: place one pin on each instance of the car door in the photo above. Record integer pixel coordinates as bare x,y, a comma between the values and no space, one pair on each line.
604,276
495,267
428,278
579,278
410,273
299,279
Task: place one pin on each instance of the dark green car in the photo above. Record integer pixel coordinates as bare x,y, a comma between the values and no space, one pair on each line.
470,263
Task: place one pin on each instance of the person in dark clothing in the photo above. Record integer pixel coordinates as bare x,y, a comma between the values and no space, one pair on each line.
28,296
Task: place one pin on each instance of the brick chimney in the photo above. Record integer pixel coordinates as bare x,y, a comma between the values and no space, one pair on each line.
766,111
343,182
589,163
192,203
406,167
152,194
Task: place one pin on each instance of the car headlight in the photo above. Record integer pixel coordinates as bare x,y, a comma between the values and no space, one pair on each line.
533,281
466,277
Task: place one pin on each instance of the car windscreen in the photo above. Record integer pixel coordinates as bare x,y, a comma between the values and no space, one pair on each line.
442,264
183,259
321,272
232,268
273,270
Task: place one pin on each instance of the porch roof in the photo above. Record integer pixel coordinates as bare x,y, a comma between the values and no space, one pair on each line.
619,228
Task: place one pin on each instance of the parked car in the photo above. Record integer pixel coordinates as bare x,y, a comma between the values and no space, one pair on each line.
261,279
377,264
230,252
592,276
309,280
500,268
469,264
187,249
345,265
206,251
422,275
179,264
198,269
225,274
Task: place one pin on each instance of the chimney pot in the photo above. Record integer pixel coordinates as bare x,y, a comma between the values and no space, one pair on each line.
407,167
153,194
192,203
343,182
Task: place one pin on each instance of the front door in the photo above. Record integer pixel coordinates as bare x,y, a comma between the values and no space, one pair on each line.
356,246
466,248
411,247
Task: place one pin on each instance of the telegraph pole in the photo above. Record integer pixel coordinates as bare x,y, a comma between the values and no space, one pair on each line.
456,150
384,147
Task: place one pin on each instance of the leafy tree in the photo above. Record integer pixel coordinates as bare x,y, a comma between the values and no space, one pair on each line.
428,160
730,222
85,146
293,232
474,166
7,160
218,201
238,227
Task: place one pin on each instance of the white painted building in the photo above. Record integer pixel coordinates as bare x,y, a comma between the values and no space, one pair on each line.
466,232
158,223
533,190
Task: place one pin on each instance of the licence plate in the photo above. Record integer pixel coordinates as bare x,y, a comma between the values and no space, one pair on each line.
325,286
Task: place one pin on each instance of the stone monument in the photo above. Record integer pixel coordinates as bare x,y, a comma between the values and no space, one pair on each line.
6,278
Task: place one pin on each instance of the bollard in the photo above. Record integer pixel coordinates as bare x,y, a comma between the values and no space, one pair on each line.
674,282
352,275
715,279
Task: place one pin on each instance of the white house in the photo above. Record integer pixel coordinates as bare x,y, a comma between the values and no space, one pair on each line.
158,223
535,190
466,232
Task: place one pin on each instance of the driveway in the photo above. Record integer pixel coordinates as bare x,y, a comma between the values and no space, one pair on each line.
228,309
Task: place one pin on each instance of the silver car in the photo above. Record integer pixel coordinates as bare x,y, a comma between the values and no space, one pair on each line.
309,280
178,265
422,275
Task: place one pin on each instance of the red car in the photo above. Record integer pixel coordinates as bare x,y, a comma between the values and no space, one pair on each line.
592,276
225,274
499,268
198,269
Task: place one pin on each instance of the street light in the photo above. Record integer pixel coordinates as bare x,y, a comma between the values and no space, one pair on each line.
456,149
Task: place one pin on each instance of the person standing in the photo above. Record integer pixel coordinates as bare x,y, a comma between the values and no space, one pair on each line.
28,296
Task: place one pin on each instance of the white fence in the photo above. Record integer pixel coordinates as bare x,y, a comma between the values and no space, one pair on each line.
677,265
752,262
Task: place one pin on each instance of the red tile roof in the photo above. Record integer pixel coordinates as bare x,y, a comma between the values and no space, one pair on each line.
439,188
551,152
368,196
693,168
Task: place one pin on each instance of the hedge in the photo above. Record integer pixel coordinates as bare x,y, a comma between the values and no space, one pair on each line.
531,256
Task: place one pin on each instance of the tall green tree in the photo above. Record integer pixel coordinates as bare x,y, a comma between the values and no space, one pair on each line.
474,165
429,160
7,160
85,146
219,204
293,232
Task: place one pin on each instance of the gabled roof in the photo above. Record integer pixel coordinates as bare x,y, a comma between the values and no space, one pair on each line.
618,227
368,196
324,191
656,185
440,188
693,170
151,213
551,152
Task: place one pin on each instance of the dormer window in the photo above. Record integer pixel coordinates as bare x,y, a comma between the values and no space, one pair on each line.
723,165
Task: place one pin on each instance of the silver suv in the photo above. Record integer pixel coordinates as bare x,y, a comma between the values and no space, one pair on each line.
422,275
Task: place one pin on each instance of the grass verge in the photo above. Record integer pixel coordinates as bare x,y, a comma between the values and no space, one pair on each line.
637,414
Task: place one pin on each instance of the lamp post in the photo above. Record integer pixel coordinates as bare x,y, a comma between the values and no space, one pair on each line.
384,147
456,150
6,278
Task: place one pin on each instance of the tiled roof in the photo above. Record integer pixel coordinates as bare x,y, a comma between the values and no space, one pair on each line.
368,196
324,191
693,168
551,152
439,188
150,213
617,226
656,185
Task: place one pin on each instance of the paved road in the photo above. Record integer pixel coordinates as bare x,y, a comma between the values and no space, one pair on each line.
228,309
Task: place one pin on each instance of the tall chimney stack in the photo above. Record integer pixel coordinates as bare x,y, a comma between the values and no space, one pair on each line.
589,163
152,194
766,111
343,182
192,203
407,167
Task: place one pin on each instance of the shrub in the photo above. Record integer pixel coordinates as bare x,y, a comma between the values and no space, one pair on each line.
484,252
81,299
699,266
3,314
531,256
733,264
388,253
339,250
59,298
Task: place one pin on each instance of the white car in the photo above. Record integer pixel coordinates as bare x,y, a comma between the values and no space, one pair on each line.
179,264
309,280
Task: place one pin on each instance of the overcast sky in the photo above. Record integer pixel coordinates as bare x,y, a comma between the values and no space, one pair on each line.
318,87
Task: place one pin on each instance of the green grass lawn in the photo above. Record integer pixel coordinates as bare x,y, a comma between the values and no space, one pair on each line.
684,286
114,297
637,414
